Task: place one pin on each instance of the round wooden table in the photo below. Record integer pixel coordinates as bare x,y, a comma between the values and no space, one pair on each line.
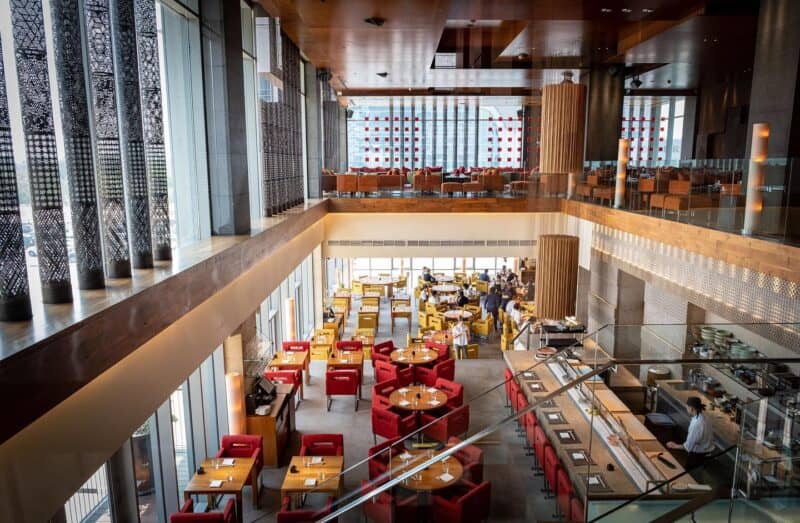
430,478
446,288
456,314
443,278
420,356
389,283
429,398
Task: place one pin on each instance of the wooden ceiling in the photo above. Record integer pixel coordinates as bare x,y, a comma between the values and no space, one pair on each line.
512,45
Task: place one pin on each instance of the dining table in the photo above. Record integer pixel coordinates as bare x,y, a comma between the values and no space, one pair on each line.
414,355
418,399
441,474
224,477
446,288
312,474
294,360
455,314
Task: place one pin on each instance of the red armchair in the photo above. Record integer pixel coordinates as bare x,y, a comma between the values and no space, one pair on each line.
576,511
508,378
322,445
342,382
442,348
382,352
471,458
454,391
382,390
245,446
445,369
381,454
388,371
563,492
389,424
296,346
464,503
539,443
355,345
289,377
385,508
551,467
454,423
186,514
286,515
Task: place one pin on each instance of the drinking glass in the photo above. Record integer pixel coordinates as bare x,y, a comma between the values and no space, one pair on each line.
216,463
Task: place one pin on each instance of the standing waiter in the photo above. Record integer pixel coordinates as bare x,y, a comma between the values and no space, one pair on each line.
700,438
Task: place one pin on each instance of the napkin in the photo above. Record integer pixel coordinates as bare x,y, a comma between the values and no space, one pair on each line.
405,456
402,390
447,477
310,482
552,416
564,435
431,390
434,402
594,481
227,462
577,455
527,374
404,403
401,358
285,361
216,483
316,460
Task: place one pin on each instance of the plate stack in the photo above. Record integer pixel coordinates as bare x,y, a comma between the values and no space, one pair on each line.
721,338
707,334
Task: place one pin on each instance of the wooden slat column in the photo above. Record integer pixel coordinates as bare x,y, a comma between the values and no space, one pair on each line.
556,276
563,122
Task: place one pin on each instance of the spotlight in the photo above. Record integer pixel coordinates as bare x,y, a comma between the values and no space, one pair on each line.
636,82
377,21
383,74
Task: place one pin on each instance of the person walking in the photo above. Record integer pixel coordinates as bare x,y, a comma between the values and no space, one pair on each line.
460,334
492,304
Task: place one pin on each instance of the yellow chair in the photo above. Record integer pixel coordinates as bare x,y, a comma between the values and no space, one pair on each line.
422,319
358,288
430,308
502,316
364,332
379,289
483,328
481,286
367,320
417,292
384,275
459,277
436,322
472,351
474,309
344,303
370,301
402,283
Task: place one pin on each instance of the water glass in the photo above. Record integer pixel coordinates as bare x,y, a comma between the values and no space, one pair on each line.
216,463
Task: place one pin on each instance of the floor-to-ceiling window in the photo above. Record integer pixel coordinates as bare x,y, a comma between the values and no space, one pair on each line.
184,122
251,112
654,127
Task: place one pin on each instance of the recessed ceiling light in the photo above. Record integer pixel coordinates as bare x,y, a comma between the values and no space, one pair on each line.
605,10
626,10
375,20
383,74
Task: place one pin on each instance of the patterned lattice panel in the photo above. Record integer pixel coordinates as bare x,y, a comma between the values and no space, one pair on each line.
27,23
153,124
14,290
74,107
107,145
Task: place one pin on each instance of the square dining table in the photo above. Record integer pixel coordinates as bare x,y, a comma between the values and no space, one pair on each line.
309,477
240,473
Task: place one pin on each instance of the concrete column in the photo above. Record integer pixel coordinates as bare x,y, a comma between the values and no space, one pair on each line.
313,135
226,135
342,139
604,113
122,486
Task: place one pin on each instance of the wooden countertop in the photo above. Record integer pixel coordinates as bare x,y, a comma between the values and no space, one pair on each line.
618,480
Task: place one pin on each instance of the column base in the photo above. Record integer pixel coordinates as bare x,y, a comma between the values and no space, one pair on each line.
16,309
57,293
119,269
142,261
91,280
162,253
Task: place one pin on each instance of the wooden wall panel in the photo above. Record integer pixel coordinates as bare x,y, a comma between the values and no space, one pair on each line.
556,276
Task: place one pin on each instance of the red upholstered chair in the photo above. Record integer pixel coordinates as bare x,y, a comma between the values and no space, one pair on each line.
381,454
551,467
389,424
455,422
521,401
342,382
425,375
286,515
292,377
296,346
322,445
187,514
442,348
385,508
244,446
382,390
382,352
530,423
539,442
563,492
464,503
355,346
454,391
576,511
446,369
471,458
388,371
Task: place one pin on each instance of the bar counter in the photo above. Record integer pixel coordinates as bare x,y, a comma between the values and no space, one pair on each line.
619,481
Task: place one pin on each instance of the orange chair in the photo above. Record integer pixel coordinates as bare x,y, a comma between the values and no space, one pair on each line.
346,183
368,183
451,188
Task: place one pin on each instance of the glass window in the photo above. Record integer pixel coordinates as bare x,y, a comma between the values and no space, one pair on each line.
181,435
90,502
253,141
143,445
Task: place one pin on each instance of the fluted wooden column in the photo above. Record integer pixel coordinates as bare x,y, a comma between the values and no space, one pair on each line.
556,276
563,122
